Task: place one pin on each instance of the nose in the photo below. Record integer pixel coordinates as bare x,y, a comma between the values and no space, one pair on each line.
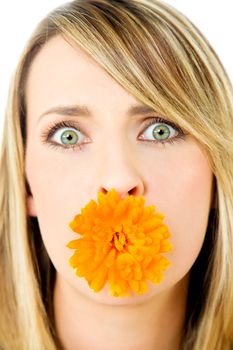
118,171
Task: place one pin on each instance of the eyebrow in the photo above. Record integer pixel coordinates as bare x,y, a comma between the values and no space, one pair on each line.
78,110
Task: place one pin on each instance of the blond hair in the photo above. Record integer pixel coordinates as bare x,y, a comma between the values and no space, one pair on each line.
159,57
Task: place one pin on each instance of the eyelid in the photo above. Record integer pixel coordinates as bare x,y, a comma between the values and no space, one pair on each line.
159,120
50,131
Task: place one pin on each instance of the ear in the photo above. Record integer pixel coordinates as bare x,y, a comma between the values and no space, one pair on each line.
31,210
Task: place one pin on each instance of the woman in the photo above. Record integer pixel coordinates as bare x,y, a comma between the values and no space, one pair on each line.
125,95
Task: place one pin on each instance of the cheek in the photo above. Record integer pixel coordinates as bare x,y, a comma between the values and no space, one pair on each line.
189,218
58,189
183,191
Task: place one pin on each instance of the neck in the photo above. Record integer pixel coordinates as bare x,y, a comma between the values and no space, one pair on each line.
85,324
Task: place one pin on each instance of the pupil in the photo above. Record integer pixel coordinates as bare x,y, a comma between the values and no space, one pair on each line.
69,137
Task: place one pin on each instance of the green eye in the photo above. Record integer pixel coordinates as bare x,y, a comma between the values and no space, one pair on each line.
69,137
65,134
161,132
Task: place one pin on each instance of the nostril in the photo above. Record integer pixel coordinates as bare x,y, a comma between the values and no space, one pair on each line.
133,191
123,194
103,190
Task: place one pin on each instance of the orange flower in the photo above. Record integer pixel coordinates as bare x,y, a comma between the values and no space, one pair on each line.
121,244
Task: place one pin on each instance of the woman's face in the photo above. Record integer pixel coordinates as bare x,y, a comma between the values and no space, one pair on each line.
112,148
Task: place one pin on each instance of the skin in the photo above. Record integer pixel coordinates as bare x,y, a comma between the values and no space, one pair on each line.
176,178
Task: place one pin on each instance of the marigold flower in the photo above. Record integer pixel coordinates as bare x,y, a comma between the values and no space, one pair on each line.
121,243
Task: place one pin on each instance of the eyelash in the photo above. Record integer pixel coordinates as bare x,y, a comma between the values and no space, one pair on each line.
50,131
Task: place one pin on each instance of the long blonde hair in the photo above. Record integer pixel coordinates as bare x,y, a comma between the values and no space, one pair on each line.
159,57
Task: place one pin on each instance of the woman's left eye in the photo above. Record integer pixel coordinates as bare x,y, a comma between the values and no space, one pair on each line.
161,131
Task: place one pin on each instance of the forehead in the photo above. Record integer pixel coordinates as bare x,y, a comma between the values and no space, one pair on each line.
63,72
57,62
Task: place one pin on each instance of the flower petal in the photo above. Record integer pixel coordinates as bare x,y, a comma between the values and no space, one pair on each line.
121,244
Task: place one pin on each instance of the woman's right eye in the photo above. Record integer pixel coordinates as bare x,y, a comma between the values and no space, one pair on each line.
64,134
67,136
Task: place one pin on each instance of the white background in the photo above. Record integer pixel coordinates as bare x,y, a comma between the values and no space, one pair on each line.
18,19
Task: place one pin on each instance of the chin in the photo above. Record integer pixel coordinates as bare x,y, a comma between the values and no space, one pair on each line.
104,297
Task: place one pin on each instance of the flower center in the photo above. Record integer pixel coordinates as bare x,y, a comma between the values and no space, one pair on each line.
119,239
